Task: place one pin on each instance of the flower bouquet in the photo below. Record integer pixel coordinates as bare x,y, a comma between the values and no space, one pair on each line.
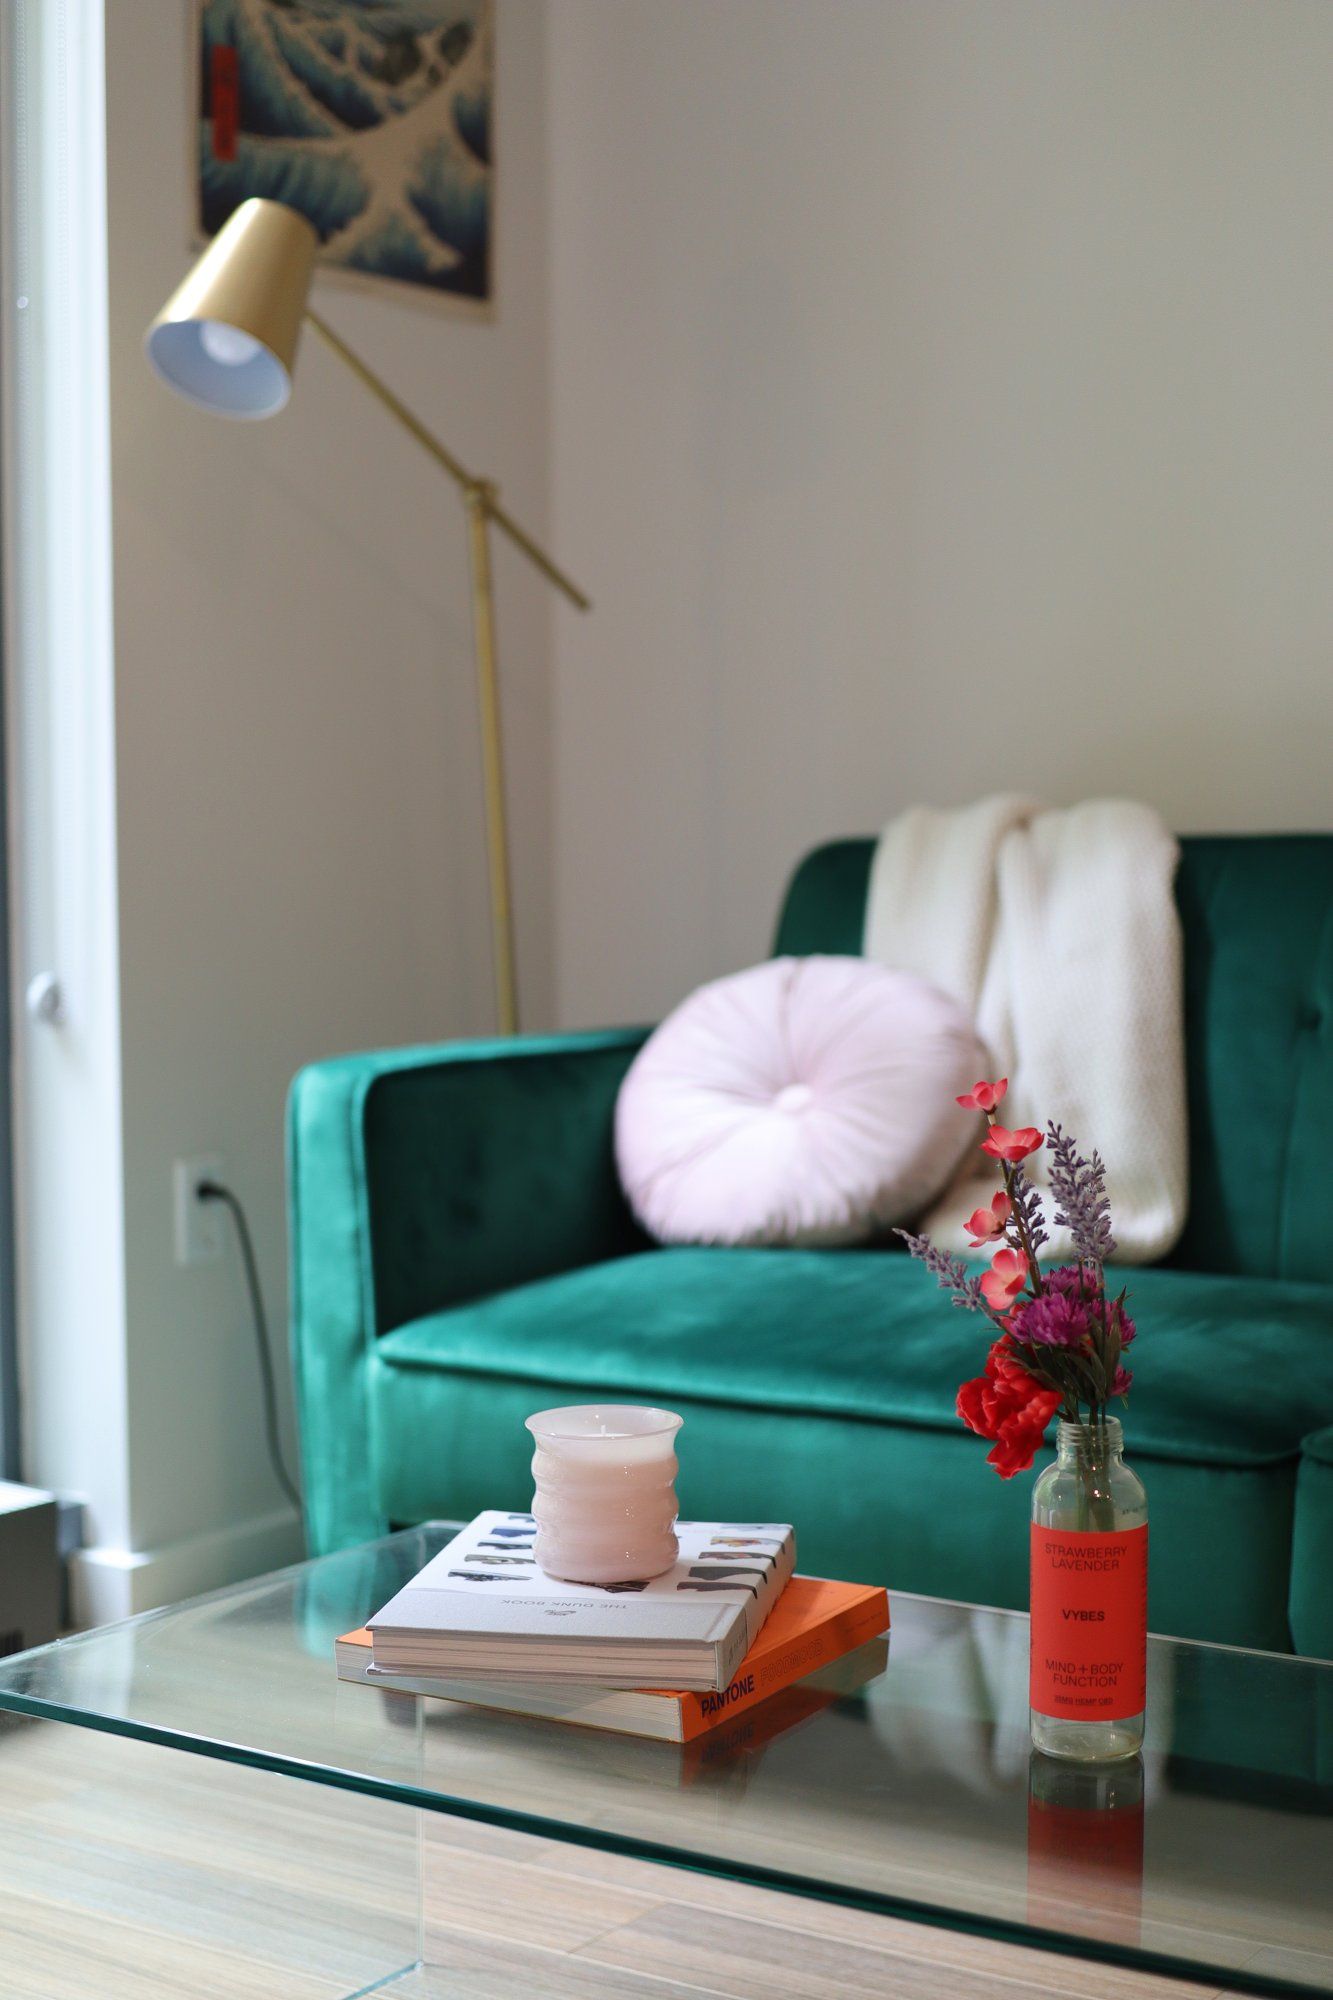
1061,1336
1059,1349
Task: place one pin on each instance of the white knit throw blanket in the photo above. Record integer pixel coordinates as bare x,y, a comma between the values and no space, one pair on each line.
1059,931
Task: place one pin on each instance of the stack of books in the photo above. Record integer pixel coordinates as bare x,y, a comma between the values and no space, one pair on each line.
725,1630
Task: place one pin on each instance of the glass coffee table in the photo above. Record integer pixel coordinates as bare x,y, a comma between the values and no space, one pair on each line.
1211,1857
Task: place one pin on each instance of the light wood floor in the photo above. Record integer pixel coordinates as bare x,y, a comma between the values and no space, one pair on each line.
127,1870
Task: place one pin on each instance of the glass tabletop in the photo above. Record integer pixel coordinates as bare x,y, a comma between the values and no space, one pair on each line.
1210,1856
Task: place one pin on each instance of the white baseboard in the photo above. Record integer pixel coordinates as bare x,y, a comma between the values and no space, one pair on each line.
109,1583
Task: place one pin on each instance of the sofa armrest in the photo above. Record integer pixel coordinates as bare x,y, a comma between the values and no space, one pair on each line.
421,1178
1311,1602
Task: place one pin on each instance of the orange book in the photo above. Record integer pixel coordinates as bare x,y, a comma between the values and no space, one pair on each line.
741,1739
813,1623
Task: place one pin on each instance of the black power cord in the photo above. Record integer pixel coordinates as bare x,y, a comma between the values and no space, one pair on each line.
214,1191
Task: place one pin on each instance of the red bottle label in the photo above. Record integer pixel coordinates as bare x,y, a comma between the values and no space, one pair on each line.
1089,1624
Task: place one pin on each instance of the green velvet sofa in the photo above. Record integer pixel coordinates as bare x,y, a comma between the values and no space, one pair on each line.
462,1255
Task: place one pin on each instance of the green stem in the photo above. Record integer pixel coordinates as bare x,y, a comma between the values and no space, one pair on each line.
1096,1511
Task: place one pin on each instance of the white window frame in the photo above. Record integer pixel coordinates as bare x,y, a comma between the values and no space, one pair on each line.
61,769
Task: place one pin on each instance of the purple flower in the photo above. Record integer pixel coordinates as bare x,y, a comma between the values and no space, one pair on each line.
1121,1322
1028,1204
1069,1281
1054,1319
1121,1381
1078,1187
950,1273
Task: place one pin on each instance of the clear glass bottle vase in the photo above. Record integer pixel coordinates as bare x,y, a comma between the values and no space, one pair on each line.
1089,1598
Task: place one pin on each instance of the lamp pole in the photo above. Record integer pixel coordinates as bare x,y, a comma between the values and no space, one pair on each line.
476,499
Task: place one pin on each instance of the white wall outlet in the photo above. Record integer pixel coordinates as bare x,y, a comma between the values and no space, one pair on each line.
199,1225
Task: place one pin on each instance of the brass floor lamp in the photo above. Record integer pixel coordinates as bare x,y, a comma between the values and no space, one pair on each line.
226,340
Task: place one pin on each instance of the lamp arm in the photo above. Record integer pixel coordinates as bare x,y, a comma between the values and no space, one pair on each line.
478,491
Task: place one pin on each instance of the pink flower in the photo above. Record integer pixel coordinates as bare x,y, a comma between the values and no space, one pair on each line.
1002,1144
1004,1280
985,1224
984,1096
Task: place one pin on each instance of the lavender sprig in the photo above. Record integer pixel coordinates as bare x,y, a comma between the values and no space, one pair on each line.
949,1272
1078,1188
1027,1202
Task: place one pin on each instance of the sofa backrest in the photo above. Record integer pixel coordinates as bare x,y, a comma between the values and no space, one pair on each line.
1257,915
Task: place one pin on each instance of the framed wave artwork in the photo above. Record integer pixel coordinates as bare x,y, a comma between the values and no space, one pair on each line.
373,117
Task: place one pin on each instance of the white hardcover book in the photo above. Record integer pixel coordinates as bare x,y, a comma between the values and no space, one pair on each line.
482,1608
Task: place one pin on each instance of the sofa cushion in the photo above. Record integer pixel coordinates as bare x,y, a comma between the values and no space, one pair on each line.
805,1100
1229,1371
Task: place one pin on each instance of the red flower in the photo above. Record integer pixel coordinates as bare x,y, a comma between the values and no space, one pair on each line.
984,1096
971,1405
985,1224
1018,1443
1004,1280
1009,1406
1002,1144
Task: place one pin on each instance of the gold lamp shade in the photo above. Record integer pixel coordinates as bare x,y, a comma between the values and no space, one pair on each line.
226,339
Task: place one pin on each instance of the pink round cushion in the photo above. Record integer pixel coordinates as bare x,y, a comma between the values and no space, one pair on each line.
808,1100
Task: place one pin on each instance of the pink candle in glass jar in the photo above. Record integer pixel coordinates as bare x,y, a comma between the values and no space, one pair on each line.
605,1503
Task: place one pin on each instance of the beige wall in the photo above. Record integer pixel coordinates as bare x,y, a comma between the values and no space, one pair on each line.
298,817
941,394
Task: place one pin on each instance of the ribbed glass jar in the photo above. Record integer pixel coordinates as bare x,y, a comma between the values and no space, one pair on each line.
1089,1597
